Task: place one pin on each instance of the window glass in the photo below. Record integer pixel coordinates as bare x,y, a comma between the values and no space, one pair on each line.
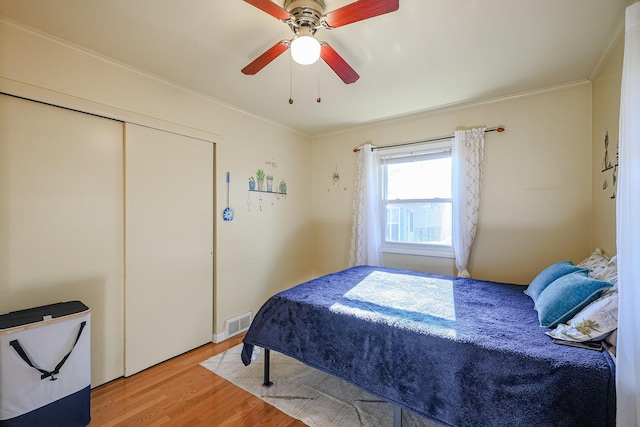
417,203
419,223
425,179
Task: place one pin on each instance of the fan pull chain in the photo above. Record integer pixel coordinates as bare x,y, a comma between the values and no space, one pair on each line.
318,99
290,85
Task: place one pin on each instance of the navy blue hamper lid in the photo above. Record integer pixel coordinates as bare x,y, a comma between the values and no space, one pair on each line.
38,314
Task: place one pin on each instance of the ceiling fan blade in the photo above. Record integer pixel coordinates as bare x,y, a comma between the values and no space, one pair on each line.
263,60
337,64
271,8
360,10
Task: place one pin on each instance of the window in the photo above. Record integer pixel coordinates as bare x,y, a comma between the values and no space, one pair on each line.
416,206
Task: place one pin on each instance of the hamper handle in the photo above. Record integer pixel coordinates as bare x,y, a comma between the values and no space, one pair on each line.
46,374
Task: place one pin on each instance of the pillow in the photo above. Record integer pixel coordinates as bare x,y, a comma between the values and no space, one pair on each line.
566,296
601,267
548,275
595,262
593,323
610,272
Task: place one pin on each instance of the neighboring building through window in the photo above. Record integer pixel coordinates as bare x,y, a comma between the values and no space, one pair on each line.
416,200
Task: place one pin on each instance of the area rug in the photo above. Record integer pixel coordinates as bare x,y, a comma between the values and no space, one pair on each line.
307,394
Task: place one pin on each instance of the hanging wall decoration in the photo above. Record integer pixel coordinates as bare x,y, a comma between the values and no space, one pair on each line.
335,180
608,167
227,215
263,182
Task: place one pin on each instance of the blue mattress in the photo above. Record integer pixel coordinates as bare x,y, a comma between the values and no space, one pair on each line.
458,351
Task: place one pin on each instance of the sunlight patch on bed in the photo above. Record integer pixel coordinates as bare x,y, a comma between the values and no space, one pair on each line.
413,302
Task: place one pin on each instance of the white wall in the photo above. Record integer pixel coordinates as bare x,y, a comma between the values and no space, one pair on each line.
536,193
250,251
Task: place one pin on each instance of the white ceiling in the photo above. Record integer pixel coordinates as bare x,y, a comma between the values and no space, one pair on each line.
428,54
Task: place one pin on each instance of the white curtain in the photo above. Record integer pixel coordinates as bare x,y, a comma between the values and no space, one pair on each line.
628,228
467,152
366,237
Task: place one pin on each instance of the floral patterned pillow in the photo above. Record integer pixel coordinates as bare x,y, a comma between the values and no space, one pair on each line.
596,263
610,272
593,323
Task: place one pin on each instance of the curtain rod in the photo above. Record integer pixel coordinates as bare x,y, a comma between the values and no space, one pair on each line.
498,129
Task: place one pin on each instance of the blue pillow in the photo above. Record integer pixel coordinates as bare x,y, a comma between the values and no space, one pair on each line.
548,275
566,296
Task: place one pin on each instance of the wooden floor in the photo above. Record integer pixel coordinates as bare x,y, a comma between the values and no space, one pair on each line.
180,392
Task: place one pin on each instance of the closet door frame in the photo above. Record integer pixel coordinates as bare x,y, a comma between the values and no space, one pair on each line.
102,349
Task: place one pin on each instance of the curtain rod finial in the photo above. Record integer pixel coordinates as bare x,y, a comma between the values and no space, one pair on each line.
355,150
500,129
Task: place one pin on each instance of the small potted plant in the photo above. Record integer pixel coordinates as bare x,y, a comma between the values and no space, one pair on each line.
252,184
260,179
269,183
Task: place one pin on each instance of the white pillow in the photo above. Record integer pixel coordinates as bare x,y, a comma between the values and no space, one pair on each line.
596,262
592,323
610,272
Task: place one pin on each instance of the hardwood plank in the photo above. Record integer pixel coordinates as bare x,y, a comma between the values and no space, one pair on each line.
180,392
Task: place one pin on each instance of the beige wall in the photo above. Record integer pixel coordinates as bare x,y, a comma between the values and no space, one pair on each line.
536,194
259,252
538,182
606,116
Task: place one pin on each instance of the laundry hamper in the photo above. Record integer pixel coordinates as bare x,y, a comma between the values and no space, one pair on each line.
45,366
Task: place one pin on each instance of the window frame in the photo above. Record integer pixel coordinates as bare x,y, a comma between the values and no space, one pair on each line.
420,249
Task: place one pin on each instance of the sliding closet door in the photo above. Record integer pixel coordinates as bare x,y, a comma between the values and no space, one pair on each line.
61,219
169,245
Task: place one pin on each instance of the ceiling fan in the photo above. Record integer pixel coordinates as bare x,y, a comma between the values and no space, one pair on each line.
304,17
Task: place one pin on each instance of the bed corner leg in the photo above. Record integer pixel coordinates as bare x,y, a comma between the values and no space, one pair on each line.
397,416
267,362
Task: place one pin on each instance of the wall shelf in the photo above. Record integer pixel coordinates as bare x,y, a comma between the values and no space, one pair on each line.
268,192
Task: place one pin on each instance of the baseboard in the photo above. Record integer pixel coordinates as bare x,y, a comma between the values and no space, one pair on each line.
234,326
218,338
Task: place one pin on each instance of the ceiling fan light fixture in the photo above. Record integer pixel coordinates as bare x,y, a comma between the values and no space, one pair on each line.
305,50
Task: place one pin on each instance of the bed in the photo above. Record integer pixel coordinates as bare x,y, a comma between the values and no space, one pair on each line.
457,351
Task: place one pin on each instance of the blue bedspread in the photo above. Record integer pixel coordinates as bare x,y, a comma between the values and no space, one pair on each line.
459,351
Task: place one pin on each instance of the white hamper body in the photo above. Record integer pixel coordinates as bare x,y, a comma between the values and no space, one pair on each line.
45,366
